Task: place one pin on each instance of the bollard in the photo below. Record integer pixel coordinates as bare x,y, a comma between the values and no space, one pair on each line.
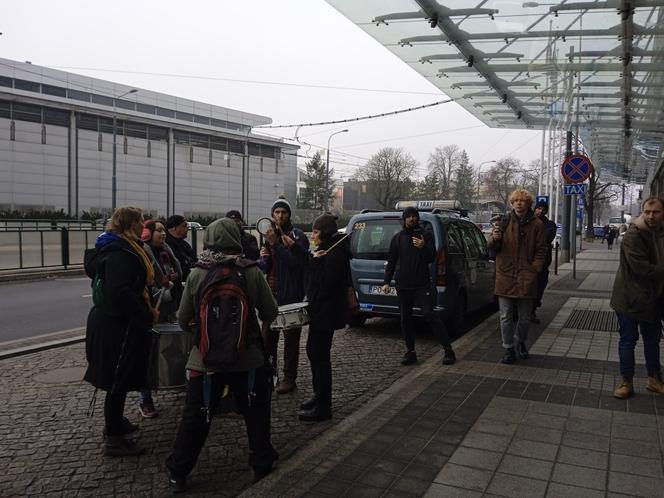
555,265
64,241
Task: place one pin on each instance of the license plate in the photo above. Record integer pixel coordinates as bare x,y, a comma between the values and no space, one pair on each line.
378,289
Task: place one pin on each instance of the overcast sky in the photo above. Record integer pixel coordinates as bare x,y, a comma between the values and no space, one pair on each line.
295,61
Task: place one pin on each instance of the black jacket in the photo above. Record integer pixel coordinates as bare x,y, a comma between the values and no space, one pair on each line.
249,246
410,263
329,279
117,341
550,230
185,254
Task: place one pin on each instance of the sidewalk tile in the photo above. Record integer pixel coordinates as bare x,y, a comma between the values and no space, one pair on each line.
585,440
464,477
599,427
443,491
386,465
486,441
637,466
330,486
548,421
364,492
621,446
635,433
345,472
583,457
635,485
542,434
411,485
497,427
423,472
557,490
533,449
637,419
558,410
471,457
377,479
579,476
525,467
508,485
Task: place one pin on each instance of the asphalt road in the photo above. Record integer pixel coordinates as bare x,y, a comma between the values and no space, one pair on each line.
44,306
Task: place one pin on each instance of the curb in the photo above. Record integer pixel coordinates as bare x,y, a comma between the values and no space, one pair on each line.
42,346
19,276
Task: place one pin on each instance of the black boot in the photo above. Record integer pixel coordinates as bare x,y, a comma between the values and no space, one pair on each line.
509,357
534,319
309,404
409,358
523,352
448,356
315,414
118,446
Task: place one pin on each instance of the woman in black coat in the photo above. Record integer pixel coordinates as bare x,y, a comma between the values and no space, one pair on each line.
118,329
329,279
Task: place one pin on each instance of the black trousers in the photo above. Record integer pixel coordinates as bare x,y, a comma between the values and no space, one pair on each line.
194,427
319,345
542,281
114,406
424,299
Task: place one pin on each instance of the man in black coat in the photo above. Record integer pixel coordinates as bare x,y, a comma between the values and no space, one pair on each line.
176,238
249,242
550,228
412,250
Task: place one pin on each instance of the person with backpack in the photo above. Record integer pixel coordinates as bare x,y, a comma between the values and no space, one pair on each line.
117,338
329,279
284,259
550,229
219,304
519,242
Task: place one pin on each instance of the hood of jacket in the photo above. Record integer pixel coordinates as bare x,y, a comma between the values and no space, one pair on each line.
223,235
106,238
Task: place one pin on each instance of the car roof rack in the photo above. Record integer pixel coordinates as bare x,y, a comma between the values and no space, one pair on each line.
371,211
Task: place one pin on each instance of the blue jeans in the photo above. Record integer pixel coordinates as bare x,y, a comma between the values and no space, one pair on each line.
629,335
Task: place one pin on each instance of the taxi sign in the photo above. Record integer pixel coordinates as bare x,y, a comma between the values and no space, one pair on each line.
575,189
576,168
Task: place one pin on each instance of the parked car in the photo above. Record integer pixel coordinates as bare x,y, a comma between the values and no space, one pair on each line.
194,225
463,272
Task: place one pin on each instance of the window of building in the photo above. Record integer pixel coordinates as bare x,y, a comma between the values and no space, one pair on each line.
198,140
184,116
102,100
28,86
201,119
181,137
57,91
4,81
254,150
5,109
147,109
235,146
220,123
106,125
157,133
78,95
87,122
27,112
136,130
56,117
218,143
125,104
167,113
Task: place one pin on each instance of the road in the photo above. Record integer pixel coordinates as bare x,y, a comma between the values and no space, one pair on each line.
44,306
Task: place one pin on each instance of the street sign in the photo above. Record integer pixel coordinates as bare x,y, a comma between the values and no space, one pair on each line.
575,189
576,168
579,214
542,198
579,201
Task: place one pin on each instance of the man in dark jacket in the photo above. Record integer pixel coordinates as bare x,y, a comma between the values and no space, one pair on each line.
638,296
249,242
283,259
519,242
247,378
550,228
176,238
412,250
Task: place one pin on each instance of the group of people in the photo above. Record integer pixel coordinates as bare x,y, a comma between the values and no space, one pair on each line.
142,266
609,234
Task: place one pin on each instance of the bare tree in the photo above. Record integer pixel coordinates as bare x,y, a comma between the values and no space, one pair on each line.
598,195
443,161
503,178
389,173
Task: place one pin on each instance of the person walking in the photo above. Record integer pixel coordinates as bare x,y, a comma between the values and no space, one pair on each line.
638,296
411,252
249,242
283,259
329,279
176,238
117,337
519,242
248,378
611,236
550,229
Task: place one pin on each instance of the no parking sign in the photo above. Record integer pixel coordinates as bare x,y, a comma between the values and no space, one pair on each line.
576,168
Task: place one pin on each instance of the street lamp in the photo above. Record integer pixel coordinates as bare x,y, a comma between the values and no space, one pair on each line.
327,166
114,187
479,169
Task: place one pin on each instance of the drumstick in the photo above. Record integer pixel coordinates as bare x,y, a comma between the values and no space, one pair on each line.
161,293
337,242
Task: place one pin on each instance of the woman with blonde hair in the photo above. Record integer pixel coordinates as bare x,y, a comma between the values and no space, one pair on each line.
118,329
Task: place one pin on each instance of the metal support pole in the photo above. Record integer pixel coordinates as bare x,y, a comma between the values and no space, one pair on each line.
114,182
567,212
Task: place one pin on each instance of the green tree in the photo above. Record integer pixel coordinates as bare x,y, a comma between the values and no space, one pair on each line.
389,174
428,188
464,182
315,195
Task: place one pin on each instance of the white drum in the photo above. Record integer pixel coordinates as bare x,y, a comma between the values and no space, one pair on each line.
291,316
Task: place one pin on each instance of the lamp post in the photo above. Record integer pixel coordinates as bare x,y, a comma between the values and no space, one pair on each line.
114,185
327,166
479,169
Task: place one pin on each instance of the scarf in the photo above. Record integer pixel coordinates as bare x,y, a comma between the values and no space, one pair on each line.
146,263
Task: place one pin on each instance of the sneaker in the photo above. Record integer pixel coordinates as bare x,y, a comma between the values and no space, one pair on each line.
509,357
409,358
523,351
147,410
118,446
625,389
177,483
449,357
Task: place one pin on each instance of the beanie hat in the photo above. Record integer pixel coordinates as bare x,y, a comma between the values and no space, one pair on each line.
409,211
234,214
327,224
174,221
281,203
148,229
542,204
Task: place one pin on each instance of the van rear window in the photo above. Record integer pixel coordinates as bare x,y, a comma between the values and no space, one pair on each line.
371,238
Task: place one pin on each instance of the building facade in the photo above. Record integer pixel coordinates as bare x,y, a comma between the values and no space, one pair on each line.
173,155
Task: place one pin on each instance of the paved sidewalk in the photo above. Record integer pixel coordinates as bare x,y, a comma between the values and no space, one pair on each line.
547,426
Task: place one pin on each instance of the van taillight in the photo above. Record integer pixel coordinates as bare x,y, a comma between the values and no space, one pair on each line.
441,267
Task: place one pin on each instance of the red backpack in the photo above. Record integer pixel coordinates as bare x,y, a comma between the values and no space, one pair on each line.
222,313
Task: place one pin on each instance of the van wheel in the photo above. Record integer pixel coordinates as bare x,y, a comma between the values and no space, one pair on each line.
459,316
357,320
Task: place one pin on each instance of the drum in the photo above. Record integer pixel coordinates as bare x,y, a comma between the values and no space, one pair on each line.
168,356
291,316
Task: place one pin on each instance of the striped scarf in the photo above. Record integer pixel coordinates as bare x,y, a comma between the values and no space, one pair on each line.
146,263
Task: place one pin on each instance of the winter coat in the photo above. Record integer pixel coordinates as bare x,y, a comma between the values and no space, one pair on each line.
117,341
290,266
550,229
408,264
161,280
329,279
223,238
520,256
638,289
183,252
249,246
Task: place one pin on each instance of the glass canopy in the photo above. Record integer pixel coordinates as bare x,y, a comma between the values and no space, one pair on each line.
595,66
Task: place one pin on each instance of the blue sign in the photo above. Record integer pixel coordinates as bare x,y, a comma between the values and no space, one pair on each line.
542,198
579,214
576,168
580,202
575,189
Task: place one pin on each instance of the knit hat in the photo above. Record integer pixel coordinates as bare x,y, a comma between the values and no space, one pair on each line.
281,203
409,211
148,229
174,221
234,214
327,224
542,204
